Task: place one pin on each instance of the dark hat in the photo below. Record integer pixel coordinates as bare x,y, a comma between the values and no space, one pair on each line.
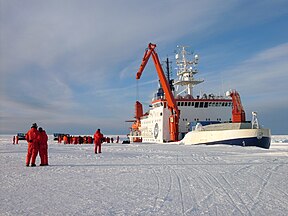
40,129
34,125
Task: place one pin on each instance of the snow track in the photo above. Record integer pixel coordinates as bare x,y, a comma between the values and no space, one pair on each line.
145,179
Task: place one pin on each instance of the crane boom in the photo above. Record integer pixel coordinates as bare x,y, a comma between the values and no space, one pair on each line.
172,105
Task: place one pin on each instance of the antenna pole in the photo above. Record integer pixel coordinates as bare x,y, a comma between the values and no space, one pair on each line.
167,70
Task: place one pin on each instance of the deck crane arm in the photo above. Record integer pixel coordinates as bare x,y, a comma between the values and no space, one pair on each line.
172,105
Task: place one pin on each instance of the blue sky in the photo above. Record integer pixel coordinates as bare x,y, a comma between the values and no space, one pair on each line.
70,65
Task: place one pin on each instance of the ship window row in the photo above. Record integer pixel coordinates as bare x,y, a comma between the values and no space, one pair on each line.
159,104
197,119
204,104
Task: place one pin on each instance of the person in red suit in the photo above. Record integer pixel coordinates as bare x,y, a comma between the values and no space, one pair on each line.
43,147
32,137
98,138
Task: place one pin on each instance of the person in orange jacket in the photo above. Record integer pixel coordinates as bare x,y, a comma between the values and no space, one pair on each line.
89,139
43,147
32,137
65,139
98,138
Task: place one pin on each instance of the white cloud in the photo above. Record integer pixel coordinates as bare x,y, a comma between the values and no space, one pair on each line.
265,73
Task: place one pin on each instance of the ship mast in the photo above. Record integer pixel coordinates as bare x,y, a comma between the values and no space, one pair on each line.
185,72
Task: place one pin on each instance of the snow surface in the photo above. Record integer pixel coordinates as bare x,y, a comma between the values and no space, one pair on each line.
146,179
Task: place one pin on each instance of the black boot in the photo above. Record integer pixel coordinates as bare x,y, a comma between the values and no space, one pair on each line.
33,165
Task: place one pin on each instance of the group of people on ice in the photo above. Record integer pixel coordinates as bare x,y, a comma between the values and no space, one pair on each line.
68,139
37,142
98,140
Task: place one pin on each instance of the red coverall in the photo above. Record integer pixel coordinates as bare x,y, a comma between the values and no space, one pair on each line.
32,137
98,137
43,149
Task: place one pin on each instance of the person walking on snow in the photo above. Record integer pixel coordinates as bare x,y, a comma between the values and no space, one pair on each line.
43,147
98,138
32,137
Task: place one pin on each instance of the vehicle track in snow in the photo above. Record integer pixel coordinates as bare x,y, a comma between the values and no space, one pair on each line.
192,184
243,168
156,198
193,196
236,194
209,193
231,198
178,186
164,188
265,182
179,183
217,186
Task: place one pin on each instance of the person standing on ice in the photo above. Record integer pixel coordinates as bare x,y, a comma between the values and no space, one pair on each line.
16,139
32,137
98,138
43,147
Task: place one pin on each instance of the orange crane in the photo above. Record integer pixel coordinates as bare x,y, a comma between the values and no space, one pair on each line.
171,103
238,113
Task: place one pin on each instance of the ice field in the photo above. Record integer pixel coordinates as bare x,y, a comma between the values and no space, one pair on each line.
145,179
